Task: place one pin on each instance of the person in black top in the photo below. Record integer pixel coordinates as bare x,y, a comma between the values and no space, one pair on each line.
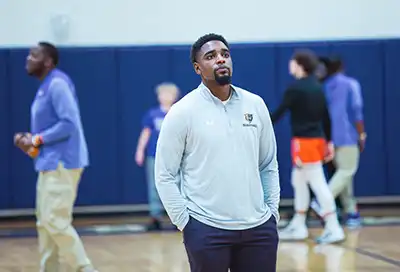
306,102
310,124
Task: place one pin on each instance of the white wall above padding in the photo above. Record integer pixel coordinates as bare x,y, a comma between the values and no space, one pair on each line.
125,22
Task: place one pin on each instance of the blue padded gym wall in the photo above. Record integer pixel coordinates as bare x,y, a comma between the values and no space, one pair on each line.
116,85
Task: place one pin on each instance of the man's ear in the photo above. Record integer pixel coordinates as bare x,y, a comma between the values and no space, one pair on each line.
48,62
196,67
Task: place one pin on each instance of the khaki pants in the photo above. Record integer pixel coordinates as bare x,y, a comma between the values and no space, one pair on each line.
341,184
56,193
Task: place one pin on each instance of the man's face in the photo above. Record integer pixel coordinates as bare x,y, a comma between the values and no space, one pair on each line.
293,68
214,63
35,61
321,72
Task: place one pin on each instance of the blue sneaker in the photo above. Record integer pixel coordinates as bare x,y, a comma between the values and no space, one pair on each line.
353,220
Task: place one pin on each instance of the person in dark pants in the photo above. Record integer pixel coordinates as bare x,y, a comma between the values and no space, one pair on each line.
325,73
216,169
344,96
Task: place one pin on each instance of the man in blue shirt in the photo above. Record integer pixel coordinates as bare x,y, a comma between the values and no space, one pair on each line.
167,94
345,104
61,158
216,169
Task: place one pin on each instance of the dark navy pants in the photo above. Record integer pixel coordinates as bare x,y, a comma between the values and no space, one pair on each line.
211,249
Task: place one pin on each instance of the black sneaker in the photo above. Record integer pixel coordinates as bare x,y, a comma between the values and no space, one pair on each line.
155,225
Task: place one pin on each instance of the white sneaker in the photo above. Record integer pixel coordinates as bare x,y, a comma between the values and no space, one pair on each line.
331,236
293,233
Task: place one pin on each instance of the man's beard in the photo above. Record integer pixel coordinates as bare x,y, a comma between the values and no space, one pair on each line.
223,80
36,71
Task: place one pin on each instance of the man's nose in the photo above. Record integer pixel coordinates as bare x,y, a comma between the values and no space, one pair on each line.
220,60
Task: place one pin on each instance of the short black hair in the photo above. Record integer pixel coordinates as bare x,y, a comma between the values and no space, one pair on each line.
306,59
324,60
336,64
203,40
50,50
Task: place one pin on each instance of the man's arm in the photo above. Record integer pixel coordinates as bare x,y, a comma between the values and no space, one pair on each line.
170,148
141,145
144,137
268,164
357,105
66,109
284,106
356,102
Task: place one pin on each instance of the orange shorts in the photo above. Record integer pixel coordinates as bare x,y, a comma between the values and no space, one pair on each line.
308,150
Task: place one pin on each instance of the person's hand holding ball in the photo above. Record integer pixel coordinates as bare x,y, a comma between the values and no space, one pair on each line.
24,142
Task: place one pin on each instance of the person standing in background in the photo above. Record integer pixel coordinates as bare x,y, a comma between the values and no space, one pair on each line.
167,94
345,104
60,156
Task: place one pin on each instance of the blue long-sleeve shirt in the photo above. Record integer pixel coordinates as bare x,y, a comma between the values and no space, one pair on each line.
55,116
345,104
217,163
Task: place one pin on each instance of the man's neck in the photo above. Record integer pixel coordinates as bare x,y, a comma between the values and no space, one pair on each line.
165,108
44,74
339,73
221,92
334,75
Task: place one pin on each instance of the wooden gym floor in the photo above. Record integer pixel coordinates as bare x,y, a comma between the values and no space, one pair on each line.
126,248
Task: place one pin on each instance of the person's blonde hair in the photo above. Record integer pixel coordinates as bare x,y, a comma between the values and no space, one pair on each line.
167,86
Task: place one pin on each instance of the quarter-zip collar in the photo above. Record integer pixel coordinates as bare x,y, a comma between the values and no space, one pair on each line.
206,93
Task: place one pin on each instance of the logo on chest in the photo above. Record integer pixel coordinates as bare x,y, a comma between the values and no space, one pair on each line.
248,119
40,93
